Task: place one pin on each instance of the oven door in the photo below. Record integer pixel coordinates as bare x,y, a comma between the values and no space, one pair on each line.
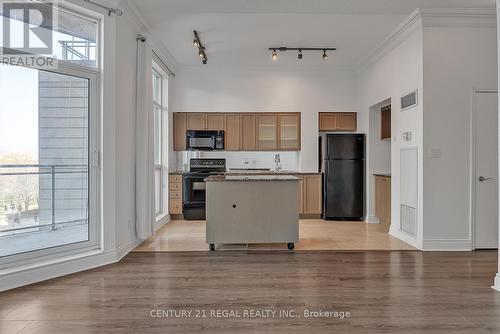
194,197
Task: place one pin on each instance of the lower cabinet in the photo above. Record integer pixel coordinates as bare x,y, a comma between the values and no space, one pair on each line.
175,194
312,195
383,200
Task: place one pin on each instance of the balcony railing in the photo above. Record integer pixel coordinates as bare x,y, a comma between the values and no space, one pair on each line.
41,169
81,51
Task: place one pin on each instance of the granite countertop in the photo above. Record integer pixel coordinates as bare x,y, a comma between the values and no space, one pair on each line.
250,172
250,178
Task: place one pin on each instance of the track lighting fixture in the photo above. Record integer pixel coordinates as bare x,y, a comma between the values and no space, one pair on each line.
274,54
201,48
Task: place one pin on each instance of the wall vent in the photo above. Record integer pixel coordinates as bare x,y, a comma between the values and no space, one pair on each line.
409,220
409,101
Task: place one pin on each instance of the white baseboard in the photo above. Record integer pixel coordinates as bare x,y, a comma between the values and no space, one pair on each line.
444,245
372,220
159,224
405,237
33,273
497,283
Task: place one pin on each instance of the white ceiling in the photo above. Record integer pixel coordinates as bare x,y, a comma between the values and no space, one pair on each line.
237,33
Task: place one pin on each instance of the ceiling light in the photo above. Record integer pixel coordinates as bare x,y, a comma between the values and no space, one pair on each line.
324,56
300,54
274,55
201,49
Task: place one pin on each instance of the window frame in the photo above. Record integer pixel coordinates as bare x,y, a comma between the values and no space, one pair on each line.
93,75
162,106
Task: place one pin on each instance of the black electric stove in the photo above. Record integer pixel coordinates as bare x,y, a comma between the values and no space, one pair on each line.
194,186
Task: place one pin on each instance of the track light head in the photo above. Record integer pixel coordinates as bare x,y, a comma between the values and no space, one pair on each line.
204,61
274,55
195,42
201,53
324,56
299,56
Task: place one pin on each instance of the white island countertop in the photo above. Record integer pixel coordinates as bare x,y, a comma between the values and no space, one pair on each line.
250,178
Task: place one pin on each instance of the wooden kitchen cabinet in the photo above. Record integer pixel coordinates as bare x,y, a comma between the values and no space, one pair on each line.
175,195
232,140
179,130
312,194
337,121
267,132
215,122
289,132
248,132
196,121
383,200
243,131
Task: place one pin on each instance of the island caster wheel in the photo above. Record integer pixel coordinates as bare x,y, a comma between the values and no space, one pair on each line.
291,245
212,247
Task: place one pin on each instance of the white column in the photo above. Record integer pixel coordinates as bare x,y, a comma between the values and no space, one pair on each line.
497,279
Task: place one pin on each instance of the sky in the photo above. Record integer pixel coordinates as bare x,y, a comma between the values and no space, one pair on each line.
19,96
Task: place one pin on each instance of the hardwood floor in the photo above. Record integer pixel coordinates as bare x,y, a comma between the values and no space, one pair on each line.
385,292
315,234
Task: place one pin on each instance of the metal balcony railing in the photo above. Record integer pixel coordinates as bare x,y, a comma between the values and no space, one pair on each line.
40,169
78,50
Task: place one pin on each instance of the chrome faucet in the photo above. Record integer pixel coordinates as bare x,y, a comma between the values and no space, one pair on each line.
277,161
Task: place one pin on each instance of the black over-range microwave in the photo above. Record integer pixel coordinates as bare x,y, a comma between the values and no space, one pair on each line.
205,140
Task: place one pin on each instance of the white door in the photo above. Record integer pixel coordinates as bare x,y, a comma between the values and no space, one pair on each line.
486,170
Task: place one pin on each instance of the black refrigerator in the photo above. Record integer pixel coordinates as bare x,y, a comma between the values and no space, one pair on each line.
342,162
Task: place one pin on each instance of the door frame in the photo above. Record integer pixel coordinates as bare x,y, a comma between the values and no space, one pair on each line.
473,173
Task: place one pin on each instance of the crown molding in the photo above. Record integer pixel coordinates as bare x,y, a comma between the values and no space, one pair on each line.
394,39
464,17
450,17
130,9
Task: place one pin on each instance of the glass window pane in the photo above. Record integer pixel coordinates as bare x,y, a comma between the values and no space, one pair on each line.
74,38
44,193
156,88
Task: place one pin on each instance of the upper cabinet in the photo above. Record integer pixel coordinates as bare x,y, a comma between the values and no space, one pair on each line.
243,131
338,121
180,127
196,121
248,132
215,122
232,140
289,132
267,132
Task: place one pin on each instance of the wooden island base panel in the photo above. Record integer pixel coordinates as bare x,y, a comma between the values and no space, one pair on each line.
371,292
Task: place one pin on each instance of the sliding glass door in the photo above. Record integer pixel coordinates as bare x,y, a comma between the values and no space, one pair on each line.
49,144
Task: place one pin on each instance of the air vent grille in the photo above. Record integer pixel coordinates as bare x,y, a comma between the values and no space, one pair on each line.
409,101
409,220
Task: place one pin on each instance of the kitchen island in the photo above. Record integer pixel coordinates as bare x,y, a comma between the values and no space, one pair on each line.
252,209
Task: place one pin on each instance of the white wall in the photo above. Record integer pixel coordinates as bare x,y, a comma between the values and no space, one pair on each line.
125,130
308,92
394,70
456,60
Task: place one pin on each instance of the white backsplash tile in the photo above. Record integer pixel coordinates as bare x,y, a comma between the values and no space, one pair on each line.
289,160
